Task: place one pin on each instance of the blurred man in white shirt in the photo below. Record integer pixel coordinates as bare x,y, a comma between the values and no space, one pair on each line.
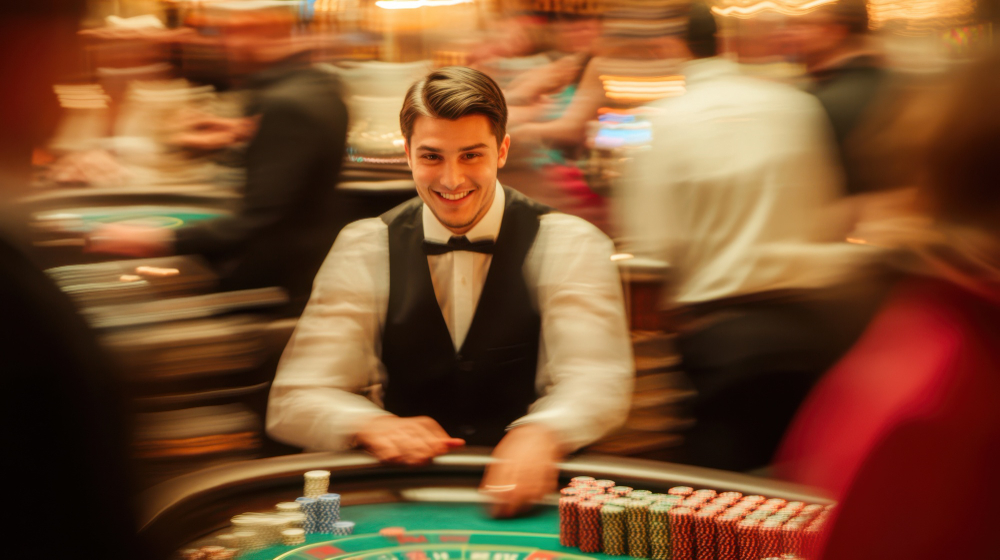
736,194
484,317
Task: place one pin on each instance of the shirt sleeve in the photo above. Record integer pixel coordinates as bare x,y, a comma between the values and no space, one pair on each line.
315,401
585,366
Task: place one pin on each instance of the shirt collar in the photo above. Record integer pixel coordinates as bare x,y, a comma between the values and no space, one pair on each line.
487,228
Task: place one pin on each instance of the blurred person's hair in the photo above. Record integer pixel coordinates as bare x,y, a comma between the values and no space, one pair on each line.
451,93
963,169
851,14
701,31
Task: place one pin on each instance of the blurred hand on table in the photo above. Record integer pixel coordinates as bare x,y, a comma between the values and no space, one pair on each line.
130,240
524,471
406,441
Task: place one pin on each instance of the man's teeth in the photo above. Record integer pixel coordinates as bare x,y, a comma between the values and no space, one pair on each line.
455,196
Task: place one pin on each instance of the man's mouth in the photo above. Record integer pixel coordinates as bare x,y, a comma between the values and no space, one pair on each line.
453,196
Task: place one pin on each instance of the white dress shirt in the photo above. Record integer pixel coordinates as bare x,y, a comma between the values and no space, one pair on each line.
737,188
585,368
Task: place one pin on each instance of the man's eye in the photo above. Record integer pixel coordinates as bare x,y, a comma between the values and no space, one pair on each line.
431,157
471,155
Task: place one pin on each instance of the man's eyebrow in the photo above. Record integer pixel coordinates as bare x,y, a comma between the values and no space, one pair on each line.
473,147
429,149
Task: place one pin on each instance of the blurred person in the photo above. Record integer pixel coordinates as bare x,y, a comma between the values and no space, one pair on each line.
64,419
848,75
487,318
550,134
734,194
913,406
289,214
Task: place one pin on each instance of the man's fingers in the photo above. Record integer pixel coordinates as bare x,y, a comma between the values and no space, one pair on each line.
384,449
431,426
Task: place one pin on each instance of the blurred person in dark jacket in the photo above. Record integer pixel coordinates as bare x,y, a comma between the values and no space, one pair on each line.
289,215
913,406
66,426
849,77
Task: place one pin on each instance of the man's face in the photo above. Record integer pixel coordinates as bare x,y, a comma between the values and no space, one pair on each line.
454,165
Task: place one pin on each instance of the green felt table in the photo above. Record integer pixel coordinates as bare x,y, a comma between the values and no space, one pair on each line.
159,216
434,531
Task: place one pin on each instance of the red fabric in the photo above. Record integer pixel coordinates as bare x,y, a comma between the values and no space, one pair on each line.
905,431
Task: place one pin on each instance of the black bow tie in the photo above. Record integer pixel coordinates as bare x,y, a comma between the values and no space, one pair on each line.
461,243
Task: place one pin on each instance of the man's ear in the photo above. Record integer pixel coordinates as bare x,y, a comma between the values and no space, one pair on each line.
406,148
502,151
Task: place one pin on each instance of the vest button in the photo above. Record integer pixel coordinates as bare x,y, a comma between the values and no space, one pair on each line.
467,366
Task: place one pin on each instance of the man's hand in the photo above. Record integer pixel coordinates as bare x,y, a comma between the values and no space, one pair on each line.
525,469
130,241
406,441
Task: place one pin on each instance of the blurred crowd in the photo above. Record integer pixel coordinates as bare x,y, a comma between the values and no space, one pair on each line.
803,196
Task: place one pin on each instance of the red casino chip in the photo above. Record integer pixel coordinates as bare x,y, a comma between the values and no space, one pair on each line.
569,521
726,541
704,532
791,538
769,541
681,491
682,533
589,533
746,534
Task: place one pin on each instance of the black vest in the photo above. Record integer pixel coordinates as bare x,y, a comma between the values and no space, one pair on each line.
489,382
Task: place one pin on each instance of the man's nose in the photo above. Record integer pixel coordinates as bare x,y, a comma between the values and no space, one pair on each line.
452,175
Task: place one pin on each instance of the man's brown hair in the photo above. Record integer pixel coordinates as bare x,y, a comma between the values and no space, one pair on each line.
451,93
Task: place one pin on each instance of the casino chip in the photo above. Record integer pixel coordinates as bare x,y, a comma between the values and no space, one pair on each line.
569,521
637,517
614,530
317,483
589,532
292,537
581,481
682,533
342,528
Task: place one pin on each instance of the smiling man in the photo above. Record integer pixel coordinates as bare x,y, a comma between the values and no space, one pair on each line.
470,314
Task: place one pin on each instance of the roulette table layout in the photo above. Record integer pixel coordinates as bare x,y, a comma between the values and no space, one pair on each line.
368,511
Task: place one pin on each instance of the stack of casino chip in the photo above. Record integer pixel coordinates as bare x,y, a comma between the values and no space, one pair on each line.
310,507
613,530
637,517
746,534
571,491
727,499
619,491
244,540
317,483
639,494
682,491
292,537
342,528
327,512
659,529
682,545
569,521
726,541
581,481
791,537
227,540
604,484
769,538
589,532
287,507
704,531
